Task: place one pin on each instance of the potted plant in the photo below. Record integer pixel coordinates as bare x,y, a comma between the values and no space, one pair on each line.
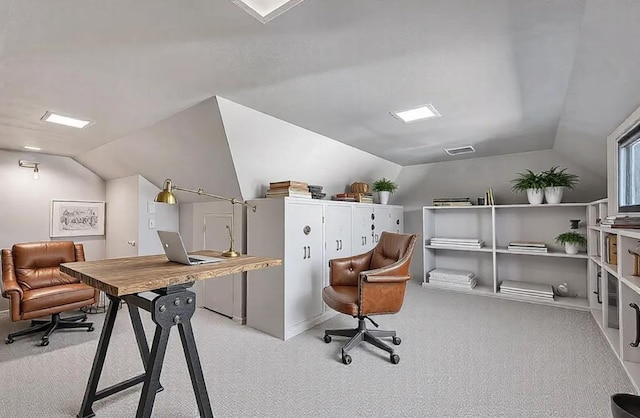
572,241
555,181
532,183
384,187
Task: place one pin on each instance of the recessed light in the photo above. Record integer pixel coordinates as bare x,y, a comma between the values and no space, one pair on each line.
265,10
29,147
66,120
467,149
416,113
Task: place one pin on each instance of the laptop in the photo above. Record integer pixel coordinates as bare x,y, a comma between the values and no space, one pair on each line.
175,251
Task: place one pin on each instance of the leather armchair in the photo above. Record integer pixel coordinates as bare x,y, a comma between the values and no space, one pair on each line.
35,287
372,283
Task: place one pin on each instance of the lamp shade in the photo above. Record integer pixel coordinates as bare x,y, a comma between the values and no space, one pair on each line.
166,196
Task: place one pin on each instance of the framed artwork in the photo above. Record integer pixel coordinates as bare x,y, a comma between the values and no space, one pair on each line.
73,218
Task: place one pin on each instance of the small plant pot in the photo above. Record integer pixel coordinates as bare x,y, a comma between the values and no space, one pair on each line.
383,197
553,194
535,196
571,248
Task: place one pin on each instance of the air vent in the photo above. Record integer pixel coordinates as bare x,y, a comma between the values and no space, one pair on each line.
460,150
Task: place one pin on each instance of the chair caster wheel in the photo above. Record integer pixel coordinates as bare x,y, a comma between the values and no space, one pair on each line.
44,343
396,340
327,339
346,359
9,340
90,329
395,359
84,319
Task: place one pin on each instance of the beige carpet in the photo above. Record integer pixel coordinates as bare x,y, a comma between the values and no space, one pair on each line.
461,356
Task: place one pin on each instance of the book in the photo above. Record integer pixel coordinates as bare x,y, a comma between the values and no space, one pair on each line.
289,183
527,244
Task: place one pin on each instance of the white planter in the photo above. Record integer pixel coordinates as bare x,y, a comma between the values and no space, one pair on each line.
553,194
383,197
571,248
535,196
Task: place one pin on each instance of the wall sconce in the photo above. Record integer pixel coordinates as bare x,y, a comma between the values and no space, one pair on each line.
31,164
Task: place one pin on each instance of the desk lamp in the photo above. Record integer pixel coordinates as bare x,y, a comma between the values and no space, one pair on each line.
167,196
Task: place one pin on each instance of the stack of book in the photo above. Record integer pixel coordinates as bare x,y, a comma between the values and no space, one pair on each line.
316,192
344,197
488,198
452,201
623,222
527,247
354,197
452,279
457,242
289,188
525,289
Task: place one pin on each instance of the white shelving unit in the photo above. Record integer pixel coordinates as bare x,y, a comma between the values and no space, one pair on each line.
497,226
614,288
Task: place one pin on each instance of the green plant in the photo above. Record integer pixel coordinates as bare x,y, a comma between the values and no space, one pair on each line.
384,185
558,178
528,180
572,238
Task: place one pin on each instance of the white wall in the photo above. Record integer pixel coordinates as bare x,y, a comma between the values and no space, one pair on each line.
128,217
419,184
26,208
266,149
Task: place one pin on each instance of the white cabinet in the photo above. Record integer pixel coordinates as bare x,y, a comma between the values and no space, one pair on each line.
286,300
493,263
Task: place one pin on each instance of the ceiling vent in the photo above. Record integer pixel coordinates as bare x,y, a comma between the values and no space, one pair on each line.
460,150
265,10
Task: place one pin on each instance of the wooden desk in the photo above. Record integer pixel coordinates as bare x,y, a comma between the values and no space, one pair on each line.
159,287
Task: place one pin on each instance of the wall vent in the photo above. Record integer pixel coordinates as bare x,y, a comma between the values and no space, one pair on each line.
460,150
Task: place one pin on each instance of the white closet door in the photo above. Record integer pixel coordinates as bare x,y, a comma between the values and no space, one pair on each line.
337,232
303,262
362,234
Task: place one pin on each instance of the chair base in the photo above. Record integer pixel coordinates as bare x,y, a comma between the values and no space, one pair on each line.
49,327
362,334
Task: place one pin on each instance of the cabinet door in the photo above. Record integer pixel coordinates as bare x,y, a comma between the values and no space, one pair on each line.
381,221
397,220
362,232
303,262
337,233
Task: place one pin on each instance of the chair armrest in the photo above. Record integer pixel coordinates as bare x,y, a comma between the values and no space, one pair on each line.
9,283
386,279
345,271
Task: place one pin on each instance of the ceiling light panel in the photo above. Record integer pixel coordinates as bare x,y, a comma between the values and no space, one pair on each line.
66,120
265,10
416,114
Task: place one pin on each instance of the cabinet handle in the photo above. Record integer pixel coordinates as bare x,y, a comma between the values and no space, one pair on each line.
365,240
341,244
637,309
309,252
377,237
337,245
305,253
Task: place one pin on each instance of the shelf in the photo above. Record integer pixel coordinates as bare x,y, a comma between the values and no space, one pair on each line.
458,207
478,290
480,250
633,282
594,228
611,268
633,371
612,335
596,260
504,250
544,205
595,202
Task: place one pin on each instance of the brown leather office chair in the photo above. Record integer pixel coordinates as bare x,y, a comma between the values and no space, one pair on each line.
372,283
35,287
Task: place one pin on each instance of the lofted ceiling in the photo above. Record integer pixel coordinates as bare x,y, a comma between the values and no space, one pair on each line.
507,75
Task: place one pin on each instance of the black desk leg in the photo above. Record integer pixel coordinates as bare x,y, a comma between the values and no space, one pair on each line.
141,337
153,369
195,369
86,410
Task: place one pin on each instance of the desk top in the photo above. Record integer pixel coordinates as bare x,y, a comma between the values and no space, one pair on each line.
124,276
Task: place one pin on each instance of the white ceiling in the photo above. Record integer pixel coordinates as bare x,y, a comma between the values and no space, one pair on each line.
506,75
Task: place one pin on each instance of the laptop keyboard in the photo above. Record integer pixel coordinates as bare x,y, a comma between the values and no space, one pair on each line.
194,260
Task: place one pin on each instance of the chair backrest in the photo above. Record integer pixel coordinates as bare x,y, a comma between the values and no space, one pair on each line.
391,248
36,264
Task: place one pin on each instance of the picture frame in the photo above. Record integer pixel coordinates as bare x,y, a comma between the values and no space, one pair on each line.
73,218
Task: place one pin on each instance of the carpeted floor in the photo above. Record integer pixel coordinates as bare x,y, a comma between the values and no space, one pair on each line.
461,356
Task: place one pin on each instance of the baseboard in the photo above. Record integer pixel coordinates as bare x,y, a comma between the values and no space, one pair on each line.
239,320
